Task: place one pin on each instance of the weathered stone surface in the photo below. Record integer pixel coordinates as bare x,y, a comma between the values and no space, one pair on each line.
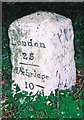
42,52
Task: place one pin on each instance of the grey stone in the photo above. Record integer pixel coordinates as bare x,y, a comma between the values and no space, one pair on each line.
42,52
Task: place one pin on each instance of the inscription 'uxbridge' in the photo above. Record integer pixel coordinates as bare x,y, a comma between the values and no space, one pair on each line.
26,72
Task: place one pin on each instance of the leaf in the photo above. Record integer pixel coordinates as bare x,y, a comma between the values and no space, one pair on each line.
24,93
17,88
27,114
18,95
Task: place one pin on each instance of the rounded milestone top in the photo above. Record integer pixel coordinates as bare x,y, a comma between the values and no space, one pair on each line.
42,16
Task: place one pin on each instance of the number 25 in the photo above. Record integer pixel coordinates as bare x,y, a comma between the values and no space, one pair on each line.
25,56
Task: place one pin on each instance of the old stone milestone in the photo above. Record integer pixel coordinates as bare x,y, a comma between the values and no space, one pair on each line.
42,52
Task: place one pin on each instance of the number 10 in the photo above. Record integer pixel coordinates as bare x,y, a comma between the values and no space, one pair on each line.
31,85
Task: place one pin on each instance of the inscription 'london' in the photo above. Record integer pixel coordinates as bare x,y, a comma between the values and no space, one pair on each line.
30,43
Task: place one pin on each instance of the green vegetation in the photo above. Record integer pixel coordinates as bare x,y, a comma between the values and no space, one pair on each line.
79,41
62,104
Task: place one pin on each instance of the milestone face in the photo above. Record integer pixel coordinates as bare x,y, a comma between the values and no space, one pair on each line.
42,52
